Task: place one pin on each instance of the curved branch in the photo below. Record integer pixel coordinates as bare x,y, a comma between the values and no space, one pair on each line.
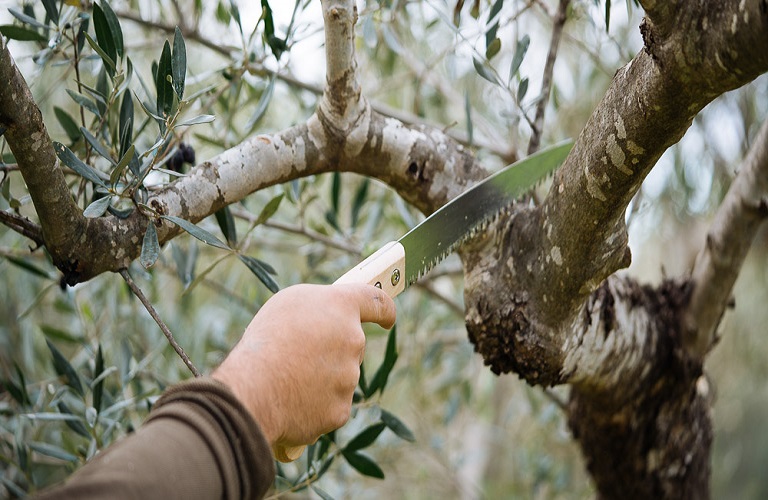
548,261
31,146
717,266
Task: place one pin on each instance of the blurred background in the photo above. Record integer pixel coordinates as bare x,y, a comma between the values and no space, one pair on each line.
425,61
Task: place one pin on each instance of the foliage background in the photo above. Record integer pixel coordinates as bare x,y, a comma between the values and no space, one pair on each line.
476,435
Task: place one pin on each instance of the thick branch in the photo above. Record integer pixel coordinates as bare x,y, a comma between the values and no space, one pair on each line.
717,266
546,262
31,146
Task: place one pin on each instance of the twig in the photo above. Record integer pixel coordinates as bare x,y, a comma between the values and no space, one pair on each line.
427,286
188,35
9,167
300,230
23,226
546,81
552,396
152,312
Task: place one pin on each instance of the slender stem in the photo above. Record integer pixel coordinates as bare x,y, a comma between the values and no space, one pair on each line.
546,82
167,332
23,226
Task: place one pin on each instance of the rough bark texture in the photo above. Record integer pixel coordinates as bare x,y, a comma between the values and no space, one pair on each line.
652,441
541,296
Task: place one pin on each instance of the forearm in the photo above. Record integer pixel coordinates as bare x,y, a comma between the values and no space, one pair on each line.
198,442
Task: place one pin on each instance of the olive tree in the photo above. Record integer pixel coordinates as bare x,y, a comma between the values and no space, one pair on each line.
542,297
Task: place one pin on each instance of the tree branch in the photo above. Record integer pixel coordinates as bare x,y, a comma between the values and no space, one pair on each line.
717,266
31,146
166,331
546,262
546,82
23,226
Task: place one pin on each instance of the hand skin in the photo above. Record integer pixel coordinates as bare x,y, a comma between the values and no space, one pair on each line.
298,363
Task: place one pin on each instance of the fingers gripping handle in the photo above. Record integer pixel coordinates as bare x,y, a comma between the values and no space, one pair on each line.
384,269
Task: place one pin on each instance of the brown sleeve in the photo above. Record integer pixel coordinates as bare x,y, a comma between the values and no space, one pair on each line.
198,442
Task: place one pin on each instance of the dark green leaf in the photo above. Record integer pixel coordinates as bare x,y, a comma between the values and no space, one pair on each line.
493,48
97,145
14,391
277,45
198,232
335,192
323,444
363,464
397,426
490,35
126,123
82,30
150,248
222,13
27,19
102,88
21,33
69,159
520,51
236,15
97,208
75,425
179,63
269,209
379,381
164,82
362,383
12,487
104,38
51,450
261,107
360,196
126,160
485,71
18,391
84,102
64,369
258,268
522,89
56,333
266,15
67,123
28,266
98,388
51,10
365,438
227,225
114,27
607,15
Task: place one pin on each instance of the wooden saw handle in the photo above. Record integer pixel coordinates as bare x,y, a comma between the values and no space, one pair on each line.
383,269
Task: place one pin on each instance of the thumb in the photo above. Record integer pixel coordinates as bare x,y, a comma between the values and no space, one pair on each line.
374,304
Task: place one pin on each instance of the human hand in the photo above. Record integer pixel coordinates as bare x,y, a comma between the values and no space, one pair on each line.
298,363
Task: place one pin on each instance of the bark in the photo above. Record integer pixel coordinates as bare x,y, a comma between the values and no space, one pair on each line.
541,295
